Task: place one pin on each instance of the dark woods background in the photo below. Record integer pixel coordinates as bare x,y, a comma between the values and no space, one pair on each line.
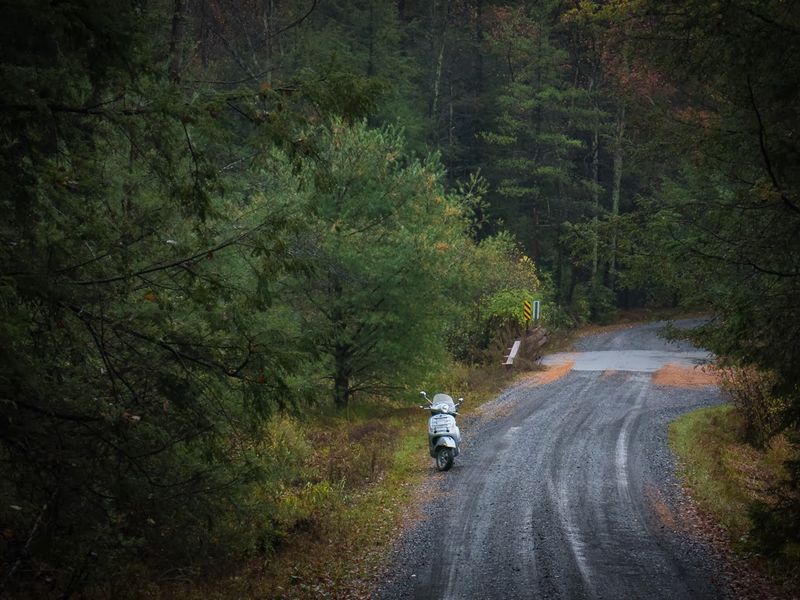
215,212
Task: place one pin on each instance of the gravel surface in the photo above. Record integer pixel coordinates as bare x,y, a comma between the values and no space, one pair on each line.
564,490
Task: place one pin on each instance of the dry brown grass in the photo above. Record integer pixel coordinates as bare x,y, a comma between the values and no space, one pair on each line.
751,391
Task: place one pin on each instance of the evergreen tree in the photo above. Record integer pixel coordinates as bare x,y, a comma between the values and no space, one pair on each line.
384,244
137,341
544,143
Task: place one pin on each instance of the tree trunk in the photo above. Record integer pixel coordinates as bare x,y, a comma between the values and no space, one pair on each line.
437,79
477,122
450,125
176,40
595,198
205,36
559,274
371,44
341,378
593,85
269,27
479,45
341,391
437,74
616,187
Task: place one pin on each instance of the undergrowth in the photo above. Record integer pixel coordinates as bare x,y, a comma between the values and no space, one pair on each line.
738,485
344,487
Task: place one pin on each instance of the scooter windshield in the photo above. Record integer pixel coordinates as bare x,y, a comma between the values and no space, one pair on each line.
446,400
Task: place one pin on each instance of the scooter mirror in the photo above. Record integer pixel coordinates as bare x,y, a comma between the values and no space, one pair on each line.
460,400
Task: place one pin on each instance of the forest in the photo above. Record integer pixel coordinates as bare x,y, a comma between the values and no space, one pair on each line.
222,216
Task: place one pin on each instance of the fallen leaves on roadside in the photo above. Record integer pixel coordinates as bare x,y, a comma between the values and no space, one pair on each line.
677,375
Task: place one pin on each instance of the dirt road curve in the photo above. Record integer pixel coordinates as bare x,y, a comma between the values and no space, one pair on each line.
566,490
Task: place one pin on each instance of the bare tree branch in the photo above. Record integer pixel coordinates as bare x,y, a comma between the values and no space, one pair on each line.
764,152
175,263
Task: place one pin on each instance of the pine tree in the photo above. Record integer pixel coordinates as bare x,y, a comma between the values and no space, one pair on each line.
542,142
137,339
384,244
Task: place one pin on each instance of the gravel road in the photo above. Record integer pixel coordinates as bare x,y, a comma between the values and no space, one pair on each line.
566,490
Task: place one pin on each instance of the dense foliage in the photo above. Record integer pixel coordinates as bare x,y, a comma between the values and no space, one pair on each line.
216,212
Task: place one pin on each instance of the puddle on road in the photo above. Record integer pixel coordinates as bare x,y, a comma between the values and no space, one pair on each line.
640,361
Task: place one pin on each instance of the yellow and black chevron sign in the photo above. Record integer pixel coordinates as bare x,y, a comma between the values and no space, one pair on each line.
526,310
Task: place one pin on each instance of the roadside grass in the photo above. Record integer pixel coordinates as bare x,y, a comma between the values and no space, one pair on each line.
730,480
347,551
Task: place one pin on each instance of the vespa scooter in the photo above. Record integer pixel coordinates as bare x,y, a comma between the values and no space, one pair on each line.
444,435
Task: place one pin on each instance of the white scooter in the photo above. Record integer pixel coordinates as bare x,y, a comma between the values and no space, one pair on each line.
443,433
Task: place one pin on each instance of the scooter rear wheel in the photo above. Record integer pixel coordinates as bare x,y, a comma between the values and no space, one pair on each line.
444,458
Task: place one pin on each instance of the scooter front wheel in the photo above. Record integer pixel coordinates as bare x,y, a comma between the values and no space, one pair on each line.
444,458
